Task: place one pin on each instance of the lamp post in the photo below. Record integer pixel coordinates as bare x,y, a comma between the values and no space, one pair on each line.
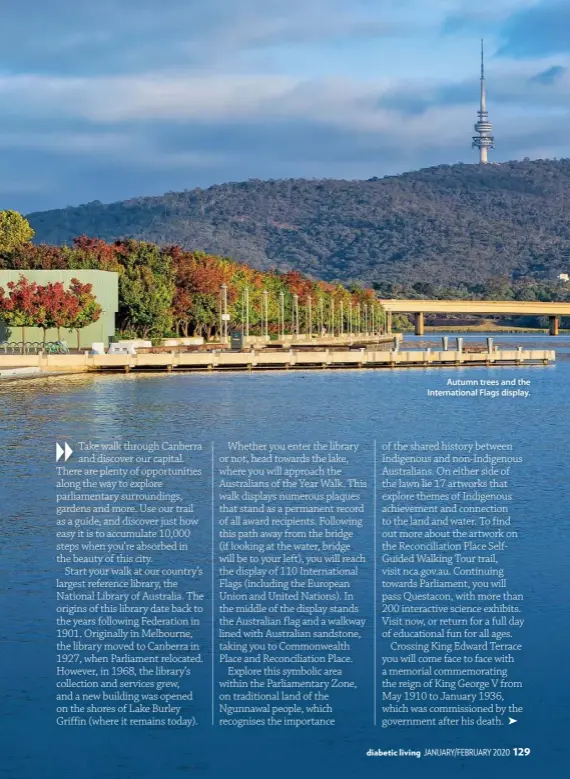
282,313
246,301
321,316
266,312
350,316
372,315
224,312
359,317
309,324
332,316
296,314
366,318
341,317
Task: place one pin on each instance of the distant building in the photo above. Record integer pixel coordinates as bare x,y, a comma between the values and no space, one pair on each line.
484,139
105,288
563,277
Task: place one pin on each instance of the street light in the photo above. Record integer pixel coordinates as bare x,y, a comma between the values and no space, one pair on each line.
359,317
332,316
266,312
309,323
224,312
321,316
282,313
366,318
246,300
296,314
350,316
341,317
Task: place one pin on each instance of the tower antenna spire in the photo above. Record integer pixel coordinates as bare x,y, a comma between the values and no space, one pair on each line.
483,127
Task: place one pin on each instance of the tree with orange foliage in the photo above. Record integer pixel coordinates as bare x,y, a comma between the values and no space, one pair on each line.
168,288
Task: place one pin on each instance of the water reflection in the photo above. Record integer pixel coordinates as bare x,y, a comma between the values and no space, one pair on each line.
356,406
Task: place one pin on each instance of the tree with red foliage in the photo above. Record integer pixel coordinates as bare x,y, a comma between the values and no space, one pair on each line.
82,308
51,298
22,306
297,283
183,265
64,310
31,256
198,279
95,253
167,289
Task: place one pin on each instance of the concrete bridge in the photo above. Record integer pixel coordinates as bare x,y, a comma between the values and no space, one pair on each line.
489,307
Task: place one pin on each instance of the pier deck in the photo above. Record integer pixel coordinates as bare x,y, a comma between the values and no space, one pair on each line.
273,360
326,358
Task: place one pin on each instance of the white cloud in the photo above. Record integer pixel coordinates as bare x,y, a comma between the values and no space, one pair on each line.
67,142
488,11
123,98
340,102
136,151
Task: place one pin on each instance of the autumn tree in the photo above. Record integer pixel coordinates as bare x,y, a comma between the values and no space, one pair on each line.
21,306
183,264
51,300
82,307
198,278
166,289
31,256
15,230
64,309
94,253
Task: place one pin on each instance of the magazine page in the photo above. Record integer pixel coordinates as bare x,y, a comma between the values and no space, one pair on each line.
283,468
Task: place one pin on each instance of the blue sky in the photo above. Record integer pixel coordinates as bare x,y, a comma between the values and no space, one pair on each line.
113,99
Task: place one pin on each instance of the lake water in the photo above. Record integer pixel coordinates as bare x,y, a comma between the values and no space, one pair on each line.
356,406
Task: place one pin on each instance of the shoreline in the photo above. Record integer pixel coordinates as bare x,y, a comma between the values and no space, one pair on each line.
250,361
21,374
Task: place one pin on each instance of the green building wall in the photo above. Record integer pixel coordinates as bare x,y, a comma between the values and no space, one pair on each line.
105,288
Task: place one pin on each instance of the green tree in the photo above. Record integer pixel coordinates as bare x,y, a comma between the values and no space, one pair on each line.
15,230
146,289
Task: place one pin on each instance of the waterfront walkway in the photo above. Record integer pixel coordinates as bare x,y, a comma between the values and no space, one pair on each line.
280,360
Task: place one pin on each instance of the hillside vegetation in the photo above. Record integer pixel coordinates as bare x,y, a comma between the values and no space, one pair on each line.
442,225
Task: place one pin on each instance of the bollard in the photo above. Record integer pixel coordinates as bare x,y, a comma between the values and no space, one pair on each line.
396,345
460,345
489,345
445,343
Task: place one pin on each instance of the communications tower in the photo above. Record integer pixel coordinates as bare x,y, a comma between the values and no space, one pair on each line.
484,140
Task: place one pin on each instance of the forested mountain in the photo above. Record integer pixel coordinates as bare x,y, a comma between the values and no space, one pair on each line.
458,223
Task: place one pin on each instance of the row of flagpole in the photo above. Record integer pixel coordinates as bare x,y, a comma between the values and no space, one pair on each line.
366,321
